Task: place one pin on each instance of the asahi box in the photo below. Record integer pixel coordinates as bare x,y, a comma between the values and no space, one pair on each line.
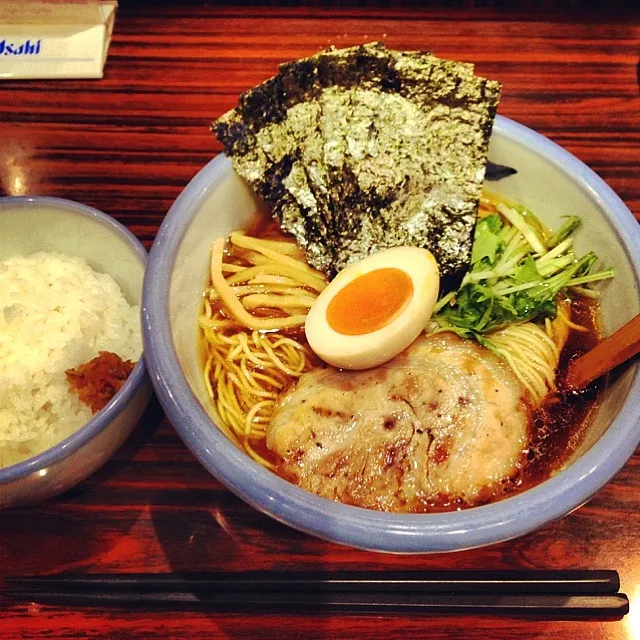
55,39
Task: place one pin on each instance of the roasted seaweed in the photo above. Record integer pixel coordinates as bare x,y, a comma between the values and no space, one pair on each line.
361,149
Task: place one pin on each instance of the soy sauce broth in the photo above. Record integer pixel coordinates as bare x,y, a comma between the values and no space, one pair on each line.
558,425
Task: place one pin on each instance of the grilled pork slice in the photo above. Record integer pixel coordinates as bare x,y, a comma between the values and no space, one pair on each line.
444,422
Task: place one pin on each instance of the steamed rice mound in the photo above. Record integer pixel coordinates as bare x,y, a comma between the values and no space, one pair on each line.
55,314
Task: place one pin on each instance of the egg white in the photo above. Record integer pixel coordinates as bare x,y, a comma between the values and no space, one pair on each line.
374,348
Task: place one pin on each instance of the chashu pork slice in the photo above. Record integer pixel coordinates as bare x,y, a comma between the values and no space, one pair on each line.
444,422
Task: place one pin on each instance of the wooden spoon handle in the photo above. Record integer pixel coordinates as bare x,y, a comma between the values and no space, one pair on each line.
612,351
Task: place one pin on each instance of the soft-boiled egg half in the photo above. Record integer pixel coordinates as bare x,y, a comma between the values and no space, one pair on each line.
374,309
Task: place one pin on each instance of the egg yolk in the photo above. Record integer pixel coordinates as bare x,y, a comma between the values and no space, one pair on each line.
369,302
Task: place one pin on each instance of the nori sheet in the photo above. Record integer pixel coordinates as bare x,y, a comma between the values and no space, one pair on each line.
361,149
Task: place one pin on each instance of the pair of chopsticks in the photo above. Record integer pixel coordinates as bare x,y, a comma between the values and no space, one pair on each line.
537,593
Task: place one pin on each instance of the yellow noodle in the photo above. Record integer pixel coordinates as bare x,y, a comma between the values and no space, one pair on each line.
313,282
534,360
227,396
559,327
255,258
260,287
238,405
256,245
233,268
235,350
277,384
531,354
232,404
532,338
252,377
207,379
277,301
233,304
250,368
208,311
521,372
257,360
289,247
279,363
242,386
251,416
257,457
569,323
293,344
225,339
268,279
228,405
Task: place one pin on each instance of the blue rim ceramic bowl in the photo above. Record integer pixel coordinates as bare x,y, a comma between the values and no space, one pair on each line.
30,224
551,182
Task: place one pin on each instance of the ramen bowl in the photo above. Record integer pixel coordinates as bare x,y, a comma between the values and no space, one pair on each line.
32,224
552,183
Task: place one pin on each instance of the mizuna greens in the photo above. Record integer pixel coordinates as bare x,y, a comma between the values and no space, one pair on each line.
518,268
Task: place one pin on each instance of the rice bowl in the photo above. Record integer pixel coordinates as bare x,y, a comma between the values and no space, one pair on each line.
51,225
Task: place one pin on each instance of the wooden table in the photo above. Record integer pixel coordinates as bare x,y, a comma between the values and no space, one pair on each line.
129,143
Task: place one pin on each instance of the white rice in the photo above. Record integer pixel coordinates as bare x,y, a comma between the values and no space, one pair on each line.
55,314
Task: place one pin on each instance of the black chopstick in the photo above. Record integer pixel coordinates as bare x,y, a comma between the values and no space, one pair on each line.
555,605
497,582
498,171
568,594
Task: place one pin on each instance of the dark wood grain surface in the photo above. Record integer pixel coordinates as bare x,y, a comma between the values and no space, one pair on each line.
129,143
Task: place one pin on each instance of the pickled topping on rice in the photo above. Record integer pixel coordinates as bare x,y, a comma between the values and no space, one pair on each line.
98,380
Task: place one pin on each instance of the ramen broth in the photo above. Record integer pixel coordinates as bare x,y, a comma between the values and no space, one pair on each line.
558,425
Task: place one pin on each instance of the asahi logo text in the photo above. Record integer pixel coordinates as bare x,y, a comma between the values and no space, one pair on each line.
28,48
